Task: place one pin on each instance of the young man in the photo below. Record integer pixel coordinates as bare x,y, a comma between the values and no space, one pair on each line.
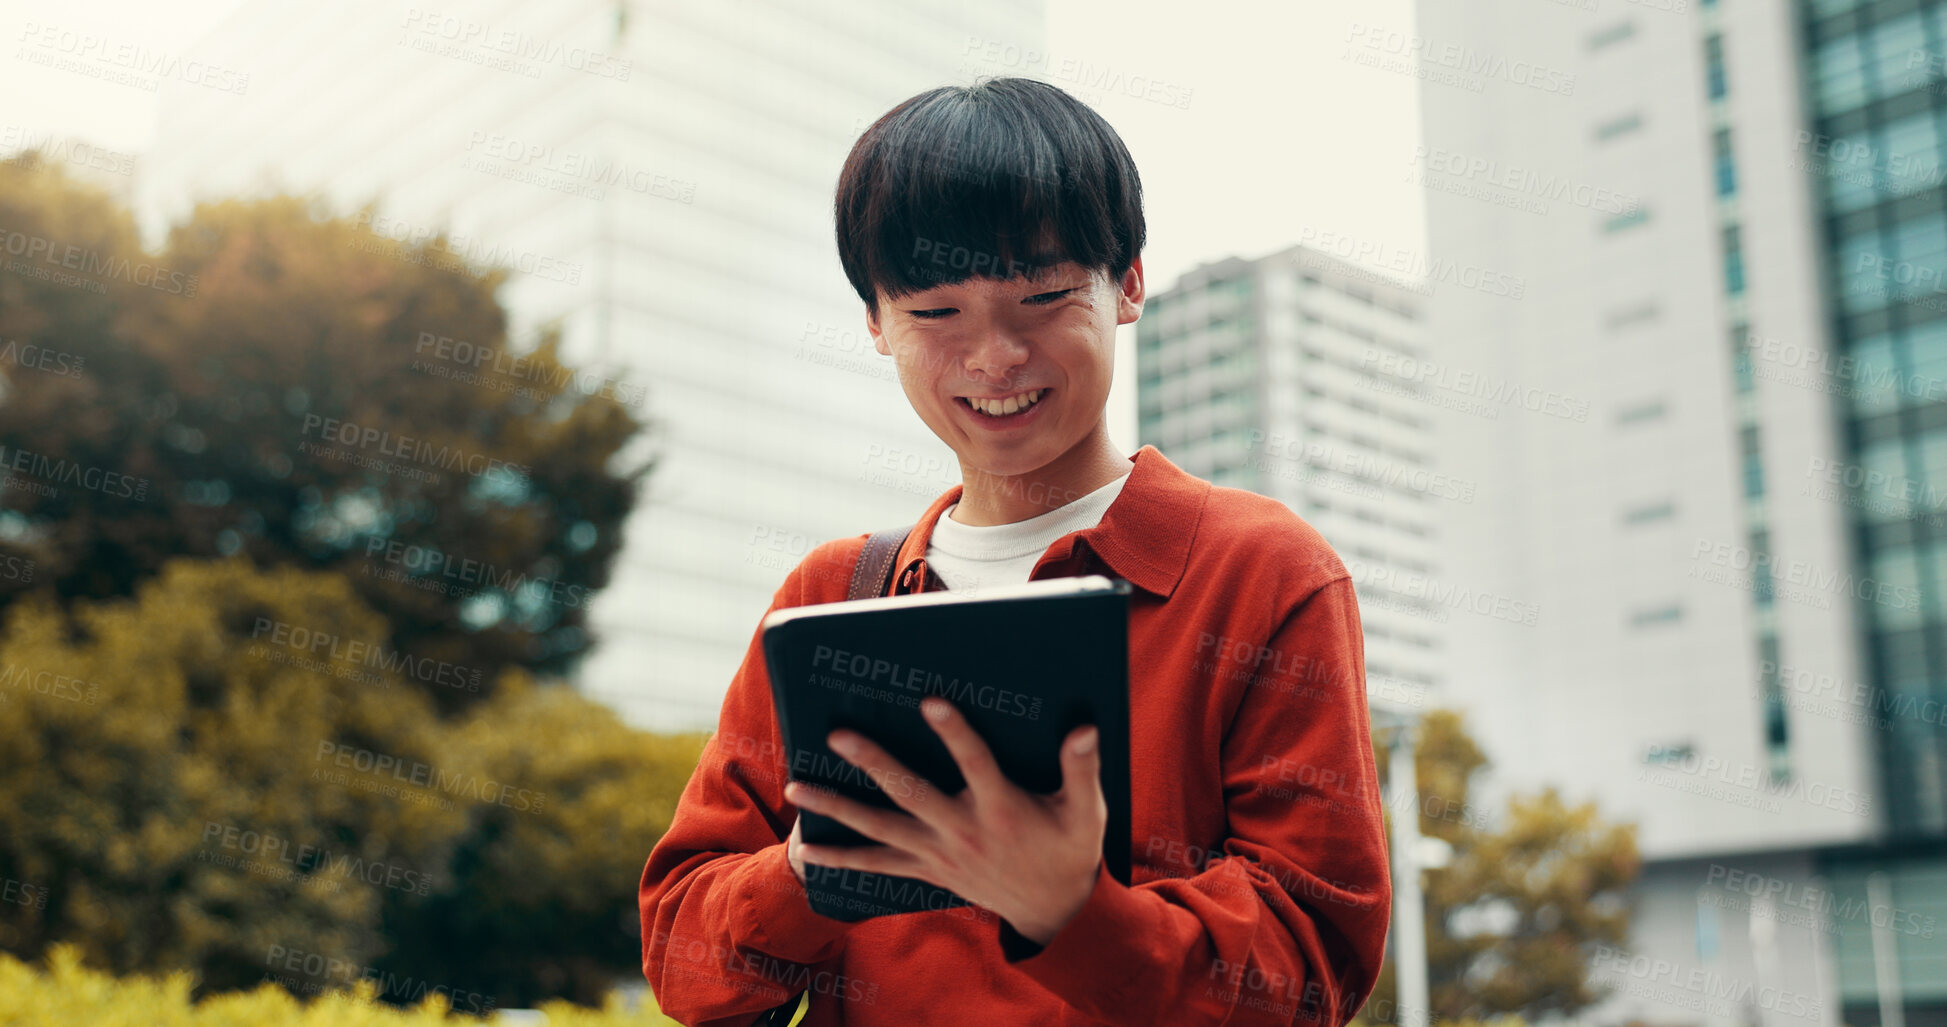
994,234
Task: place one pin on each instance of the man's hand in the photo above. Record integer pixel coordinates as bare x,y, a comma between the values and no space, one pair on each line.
794,849
1032,859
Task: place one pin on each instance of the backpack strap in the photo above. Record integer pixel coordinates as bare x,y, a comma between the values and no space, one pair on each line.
788,1014
873,574
871,577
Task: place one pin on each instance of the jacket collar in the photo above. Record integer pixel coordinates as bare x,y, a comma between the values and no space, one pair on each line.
1144,537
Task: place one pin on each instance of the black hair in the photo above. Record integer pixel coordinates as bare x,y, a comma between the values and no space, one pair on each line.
1007,176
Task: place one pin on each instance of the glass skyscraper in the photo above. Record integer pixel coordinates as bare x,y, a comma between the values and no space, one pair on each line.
1877,120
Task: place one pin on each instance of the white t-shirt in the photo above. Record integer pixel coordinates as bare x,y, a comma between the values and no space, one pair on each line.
970,557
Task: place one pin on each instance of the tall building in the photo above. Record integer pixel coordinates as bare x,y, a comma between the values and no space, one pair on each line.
1272,375
660,176
1725,523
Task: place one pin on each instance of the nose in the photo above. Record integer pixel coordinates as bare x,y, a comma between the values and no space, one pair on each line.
995,355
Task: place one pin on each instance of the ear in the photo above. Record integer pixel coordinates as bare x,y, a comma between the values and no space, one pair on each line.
872,327
1129,294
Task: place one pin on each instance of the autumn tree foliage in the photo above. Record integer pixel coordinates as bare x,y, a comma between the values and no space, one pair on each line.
301,390
1529,893
294,549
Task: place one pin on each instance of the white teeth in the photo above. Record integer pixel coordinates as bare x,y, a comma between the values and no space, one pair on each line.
1001,408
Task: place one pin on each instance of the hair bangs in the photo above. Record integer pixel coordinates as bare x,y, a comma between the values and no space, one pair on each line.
1009,177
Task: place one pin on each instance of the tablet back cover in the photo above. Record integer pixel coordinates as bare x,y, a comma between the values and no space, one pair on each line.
1024,664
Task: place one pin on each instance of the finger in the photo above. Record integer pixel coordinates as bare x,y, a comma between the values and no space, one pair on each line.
1081,769
871,859
970,752
907,790
794,849
880,825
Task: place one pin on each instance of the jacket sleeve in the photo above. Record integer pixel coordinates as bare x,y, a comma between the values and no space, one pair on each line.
1287,923
727,932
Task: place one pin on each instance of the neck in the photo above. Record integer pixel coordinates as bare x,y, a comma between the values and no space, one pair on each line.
987,499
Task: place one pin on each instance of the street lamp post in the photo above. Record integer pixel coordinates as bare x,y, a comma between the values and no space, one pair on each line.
1409,908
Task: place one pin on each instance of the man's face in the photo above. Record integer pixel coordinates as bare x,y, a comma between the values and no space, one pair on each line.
984,339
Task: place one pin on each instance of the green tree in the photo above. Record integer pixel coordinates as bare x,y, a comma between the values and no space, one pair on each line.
1527,896
152,750
542,901
273,382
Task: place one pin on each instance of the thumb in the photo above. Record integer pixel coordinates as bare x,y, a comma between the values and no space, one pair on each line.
1081,767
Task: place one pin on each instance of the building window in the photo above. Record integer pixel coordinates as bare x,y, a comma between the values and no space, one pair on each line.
1726,166
1669,752
1650,411
1649,514
1612,35
1618,126
1655,616
1840,74
1627,219
1714,66
1733,260
1777,729
1741,357
1645,311
1763,586
1895,48
1753,465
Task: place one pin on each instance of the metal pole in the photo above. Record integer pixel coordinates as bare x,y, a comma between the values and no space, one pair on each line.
1409,910
1886,955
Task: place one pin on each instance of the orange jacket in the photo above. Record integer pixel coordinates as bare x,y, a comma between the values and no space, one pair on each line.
1260,893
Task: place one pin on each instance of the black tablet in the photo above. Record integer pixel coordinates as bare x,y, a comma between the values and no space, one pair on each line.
1025,664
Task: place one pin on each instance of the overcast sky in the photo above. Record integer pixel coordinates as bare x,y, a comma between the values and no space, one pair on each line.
1280,132
1281,136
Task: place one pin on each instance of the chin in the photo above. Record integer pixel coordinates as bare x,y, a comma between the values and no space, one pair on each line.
1019,458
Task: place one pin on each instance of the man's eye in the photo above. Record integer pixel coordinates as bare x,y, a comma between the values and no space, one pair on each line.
928,315
1049,297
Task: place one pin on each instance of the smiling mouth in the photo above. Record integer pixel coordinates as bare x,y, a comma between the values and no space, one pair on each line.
1006,406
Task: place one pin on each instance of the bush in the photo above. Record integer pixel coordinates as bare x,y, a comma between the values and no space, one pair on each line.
66,992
